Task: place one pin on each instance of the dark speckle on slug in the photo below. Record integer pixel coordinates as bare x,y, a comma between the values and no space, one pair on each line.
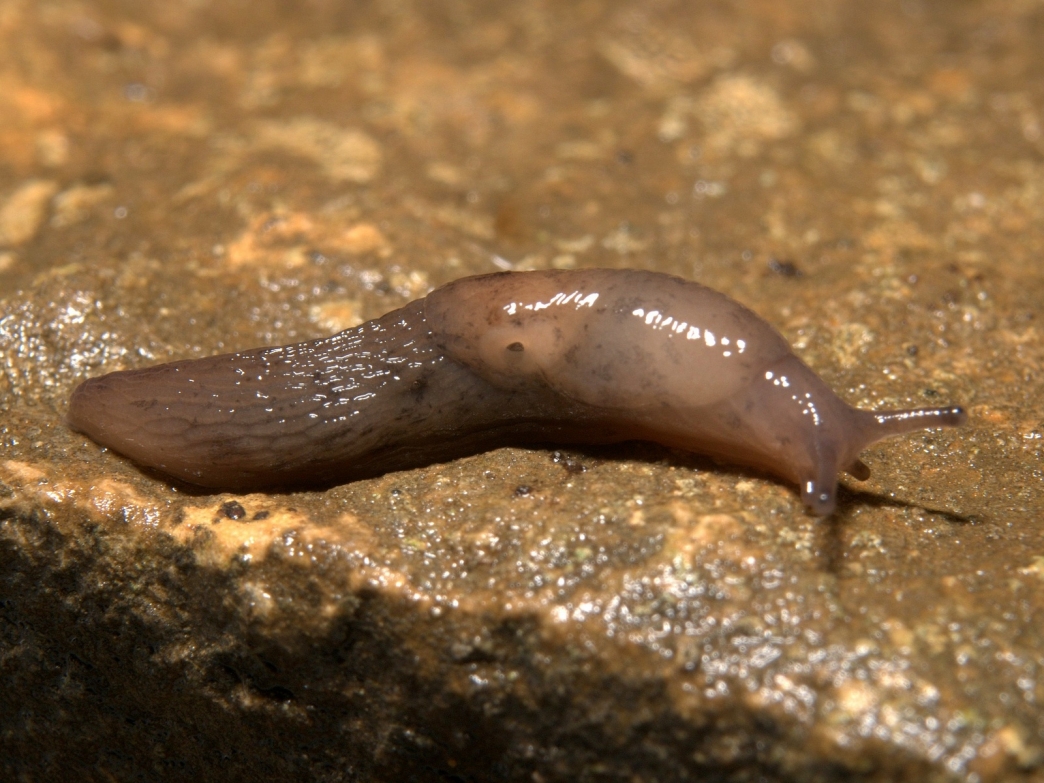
587,356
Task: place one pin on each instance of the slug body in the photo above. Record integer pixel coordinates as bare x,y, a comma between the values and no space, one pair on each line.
587,356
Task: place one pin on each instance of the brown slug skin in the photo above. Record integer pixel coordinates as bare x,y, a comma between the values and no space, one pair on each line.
587,356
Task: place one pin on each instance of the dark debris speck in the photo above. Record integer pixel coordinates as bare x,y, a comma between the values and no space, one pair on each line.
233,510
571,464
784,267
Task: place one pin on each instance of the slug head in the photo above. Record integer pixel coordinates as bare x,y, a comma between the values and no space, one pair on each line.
667,360
795,426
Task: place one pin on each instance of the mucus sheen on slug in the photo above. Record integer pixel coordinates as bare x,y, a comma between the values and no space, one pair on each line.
584,356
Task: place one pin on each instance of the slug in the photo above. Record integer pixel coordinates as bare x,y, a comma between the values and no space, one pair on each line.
586,356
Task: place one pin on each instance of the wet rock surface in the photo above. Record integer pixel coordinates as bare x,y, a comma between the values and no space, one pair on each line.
178,180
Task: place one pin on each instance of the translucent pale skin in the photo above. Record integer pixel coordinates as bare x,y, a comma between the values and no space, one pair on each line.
587,356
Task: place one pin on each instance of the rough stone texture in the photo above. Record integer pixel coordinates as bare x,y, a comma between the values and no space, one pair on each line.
182,178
